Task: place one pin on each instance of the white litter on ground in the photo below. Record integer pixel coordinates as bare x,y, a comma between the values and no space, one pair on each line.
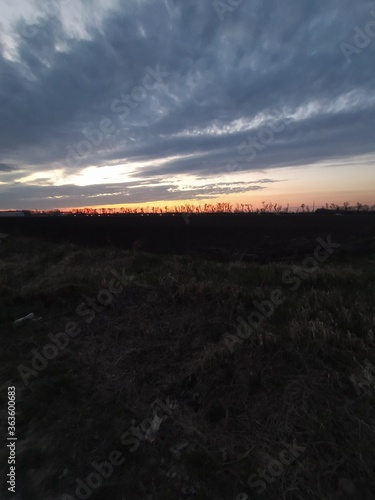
29,317
155,426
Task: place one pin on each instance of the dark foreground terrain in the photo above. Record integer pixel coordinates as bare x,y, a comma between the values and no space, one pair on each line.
163,377
252,237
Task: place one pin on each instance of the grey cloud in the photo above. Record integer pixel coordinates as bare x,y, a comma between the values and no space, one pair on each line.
41,197
264,55
6,168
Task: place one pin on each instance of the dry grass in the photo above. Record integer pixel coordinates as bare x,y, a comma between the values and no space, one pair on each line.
163,338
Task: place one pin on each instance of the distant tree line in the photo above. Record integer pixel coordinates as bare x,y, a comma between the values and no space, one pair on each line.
210,208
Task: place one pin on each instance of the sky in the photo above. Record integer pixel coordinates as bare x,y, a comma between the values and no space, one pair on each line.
107,103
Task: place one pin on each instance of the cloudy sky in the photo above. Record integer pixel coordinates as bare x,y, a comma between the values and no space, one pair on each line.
160,102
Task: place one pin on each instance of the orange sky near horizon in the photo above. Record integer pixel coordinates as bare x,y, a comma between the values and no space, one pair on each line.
293,199
316,184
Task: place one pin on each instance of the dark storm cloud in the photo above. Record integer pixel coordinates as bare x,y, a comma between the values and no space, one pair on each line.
6,168
219,76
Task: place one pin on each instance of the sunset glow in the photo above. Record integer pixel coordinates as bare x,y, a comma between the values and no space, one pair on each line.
189,105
